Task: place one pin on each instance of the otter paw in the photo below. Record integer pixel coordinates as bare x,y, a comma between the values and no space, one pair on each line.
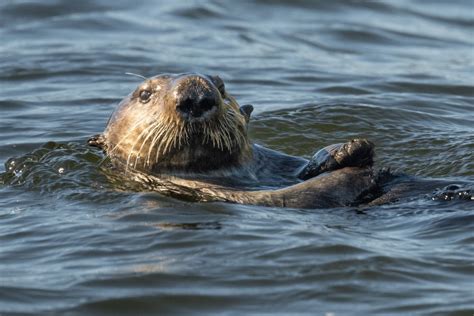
453,192
97,141
355,153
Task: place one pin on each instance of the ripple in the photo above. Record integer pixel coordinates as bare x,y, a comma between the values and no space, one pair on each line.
349,33
46,10
420,88
198,12
344,90
445,227
77,238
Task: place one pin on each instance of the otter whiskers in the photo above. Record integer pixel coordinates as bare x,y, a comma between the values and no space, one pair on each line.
149,131
129,132
156,138
135,75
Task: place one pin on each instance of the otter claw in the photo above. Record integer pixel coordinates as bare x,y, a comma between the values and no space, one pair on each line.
356,153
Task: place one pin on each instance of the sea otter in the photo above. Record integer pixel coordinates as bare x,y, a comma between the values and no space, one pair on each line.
186,136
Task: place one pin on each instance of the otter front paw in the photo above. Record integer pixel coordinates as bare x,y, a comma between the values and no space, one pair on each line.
97,141
356,153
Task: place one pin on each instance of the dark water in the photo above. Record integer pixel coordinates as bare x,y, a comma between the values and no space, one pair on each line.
76,241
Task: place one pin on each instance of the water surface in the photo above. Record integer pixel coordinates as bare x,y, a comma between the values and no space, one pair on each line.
76,241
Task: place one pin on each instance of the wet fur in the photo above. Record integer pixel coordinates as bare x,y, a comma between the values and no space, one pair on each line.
211,159
153,137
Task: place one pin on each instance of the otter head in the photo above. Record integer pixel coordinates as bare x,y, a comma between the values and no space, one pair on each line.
179,123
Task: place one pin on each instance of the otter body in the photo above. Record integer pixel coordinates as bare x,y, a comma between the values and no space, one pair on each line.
185,136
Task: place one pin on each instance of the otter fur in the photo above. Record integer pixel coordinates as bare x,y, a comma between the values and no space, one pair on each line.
184,135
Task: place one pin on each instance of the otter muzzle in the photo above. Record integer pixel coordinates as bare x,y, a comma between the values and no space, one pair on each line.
195,97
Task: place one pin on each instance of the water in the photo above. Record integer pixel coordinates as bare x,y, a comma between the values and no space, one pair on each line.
74,240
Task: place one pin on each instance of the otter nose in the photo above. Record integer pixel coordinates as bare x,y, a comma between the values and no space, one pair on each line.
196,106
195,98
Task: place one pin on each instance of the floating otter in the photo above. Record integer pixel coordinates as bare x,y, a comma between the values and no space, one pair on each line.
184,135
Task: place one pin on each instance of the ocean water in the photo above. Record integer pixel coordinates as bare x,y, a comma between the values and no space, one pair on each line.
76,241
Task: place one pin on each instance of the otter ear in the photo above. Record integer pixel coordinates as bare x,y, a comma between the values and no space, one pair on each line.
246,110
219,84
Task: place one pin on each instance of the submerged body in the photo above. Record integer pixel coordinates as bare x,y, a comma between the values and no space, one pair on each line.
185,136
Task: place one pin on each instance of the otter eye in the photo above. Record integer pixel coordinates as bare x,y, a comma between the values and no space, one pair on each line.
145,95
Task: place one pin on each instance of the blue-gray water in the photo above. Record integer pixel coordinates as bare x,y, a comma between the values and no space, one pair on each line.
75,241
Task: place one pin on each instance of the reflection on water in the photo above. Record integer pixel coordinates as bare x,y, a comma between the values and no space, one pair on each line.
77,239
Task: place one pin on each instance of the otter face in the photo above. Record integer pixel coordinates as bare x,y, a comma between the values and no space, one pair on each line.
179,123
